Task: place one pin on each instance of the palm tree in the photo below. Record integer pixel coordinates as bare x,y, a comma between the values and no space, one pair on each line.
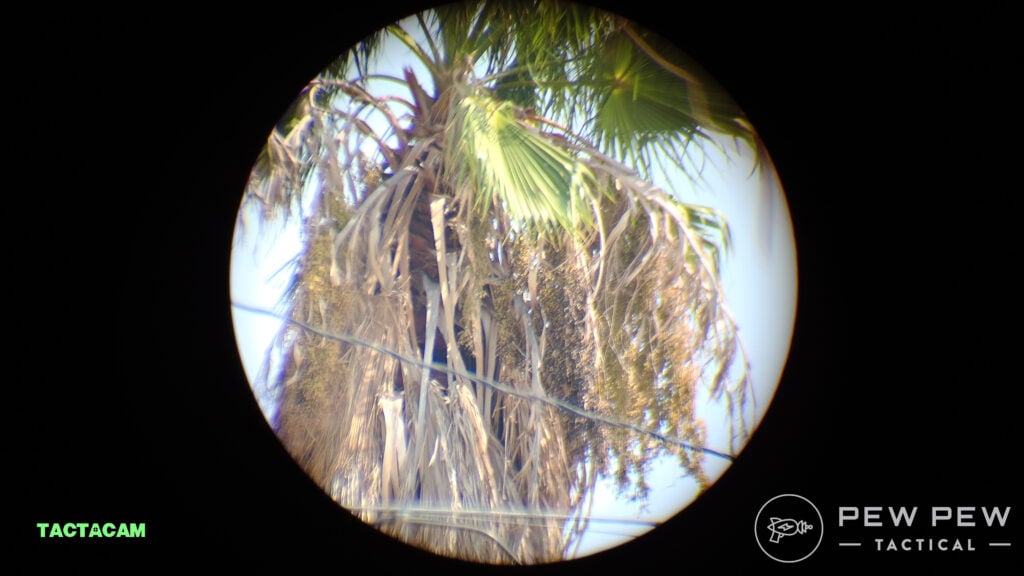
501,298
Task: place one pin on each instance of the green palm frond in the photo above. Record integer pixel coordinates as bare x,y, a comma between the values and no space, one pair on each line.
704,99
712,230
511,163
648,106
495,196
636,96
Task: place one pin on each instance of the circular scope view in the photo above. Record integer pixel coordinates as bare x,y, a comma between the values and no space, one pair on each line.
513,282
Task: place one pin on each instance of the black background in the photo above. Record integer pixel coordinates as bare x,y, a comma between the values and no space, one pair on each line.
130,139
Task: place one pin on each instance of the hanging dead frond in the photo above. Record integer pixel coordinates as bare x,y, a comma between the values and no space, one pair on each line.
493,309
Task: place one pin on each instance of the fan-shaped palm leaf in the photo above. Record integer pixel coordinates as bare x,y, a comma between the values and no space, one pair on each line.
501,204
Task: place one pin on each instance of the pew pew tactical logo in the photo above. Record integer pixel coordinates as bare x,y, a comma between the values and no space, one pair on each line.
789,528
892,529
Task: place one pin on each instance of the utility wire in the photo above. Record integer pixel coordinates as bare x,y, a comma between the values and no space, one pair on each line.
503,388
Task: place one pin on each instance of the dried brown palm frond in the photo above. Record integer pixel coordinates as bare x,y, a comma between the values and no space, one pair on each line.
342,404
636,298
505,311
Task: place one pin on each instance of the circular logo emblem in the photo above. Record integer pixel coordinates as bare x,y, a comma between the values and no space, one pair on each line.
788,528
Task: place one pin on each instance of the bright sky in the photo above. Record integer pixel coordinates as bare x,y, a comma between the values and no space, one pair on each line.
760,286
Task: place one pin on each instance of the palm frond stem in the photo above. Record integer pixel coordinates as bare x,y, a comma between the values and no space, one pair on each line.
498,386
